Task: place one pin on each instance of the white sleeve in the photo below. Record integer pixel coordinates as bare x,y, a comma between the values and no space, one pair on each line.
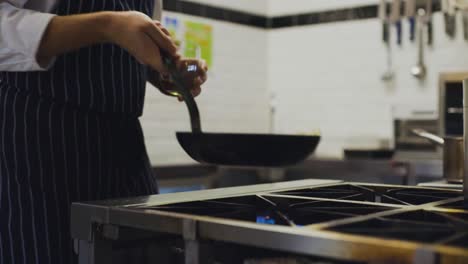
21,32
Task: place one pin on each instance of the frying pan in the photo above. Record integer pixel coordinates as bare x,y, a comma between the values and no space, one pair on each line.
260,150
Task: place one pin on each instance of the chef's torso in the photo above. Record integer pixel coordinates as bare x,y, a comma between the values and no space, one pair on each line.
101,78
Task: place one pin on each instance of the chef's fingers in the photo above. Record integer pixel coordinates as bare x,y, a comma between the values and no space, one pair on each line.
199,81
202,69
199,67
161,39
158,24
196,91
140,51
203,65
156,61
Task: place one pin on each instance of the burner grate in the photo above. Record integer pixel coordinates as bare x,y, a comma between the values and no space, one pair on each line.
414,196
435,227
356,209
389,195
340,192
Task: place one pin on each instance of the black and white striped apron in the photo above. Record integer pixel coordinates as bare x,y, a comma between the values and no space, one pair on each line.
69,134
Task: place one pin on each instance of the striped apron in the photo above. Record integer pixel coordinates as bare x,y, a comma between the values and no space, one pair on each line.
69,134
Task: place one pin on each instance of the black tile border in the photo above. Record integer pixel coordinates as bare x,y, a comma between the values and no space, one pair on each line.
259,21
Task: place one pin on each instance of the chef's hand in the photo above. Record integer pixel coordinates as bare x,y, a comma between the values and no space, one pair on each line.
194,72
131,30
142,37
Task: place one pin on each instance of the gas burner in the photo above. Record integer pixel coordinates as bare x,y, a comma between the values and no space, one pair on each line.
379,194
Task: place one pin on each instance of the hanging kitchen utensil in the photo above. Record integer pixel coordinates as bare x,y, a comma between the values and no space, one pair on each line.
419,70
444,8
410,12
450,18
429,23
396,19
386,25
260,150
399,29
453,154
388,75
382,12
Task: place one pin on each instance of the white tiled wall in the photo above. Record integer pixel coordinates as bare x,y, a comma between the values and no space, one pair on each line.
235,99
328,77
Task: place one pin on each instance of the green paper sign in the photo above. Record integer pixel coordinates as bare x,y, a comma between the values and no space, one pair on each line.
199,38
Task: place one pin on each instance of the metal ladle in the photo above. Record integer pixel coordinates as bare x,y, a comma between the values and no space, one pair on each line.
388,75
419,71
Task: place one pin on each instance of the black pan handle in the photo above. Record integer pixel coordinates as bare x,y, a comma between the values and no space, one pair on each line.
183,90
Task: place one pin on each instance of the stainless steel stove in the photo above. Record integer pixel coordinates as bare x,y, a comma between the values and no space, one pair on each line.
310,221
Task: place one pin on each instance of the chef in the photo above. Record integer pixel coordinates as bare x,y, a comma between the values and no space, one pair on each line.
72,87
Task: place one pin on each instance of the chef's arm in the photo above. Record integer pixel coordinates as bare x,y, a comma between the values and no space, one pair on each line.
133,31
68,33
154,76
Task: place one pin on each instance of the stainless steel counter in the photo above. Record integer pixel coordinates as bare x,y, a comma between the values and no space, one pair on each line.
83,214
99,227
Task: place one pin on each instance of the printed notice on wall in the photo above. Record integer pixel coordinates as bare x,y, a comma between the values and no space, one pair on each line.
199,41
193,38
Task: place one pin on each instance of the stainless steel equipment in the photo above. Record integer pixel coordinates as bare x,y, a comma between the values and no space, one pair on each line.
407,141
453,154
451,103
313,219
408,145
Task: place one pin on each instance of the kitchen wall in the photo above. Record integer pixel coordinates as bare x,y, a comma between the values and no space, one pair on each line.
328,77
323,76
